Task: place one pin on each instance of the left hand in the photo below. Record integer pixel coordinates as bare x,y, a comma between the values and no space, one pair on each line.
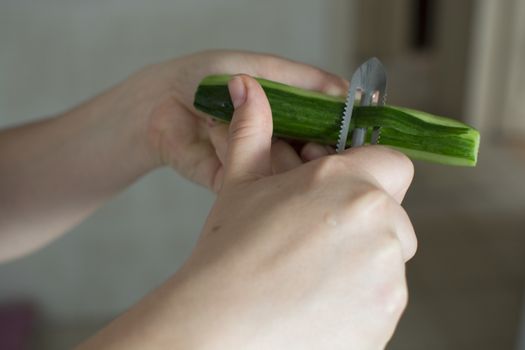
188,140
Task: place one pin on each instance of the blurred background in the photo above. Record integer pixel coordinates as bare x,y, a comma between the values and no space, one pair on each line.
462,59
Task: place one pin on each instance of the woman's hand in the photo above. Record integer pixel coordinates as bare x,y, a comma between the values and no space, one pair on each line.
88,154
189,141
311,258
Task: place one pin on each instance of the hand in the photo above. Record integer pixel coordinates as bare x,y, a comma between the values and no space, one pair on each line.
89,153
185,138
312,258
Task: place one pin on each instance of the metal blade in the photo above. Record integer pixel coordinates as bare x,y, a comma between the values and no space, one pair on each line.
370,78
355,82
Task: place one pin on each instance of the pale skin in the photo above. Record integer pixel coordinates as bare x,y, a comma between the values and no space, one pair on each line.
300,251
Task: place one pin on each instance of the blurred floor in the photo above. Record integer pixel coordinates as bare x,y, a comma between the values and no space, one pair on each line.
467,278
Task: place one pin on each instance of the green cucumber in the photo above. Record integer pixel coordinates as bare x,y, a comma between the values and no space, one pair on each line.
313,116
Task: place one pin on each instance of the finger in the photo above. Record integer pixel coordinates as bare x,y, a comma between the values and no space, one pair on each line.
218,180
203,164
284,157
312,151
218,133
250,135
392,169
301,75
406,235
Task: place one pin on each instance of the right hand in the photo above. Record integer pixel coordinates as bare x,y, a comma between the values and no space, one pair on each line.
312,258
309,258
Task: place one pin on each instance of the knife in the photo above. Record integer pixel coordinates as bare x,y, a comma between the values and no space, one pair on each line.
370,81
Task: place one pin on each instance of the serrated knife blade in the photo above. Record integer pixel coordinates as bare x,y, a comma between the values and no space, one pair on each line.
370,78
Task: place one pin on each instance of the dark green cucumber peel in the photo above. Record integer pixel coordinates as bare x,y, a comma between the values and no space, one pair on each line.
313,116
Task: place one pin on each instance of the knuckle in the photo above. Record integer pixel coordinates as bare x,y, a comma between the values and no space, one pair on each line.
407,170
388,253
391,291
386,272
392,288
405,233
395,299
404,165
410,246
240,130
327,167
370,200
390,246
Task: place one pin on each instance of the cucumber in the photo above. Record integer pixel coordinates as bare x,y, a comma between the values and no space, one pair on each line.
313,116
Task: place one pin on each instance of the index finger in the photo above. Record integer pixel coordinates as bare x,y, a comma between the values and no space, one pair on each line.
390,168
301,75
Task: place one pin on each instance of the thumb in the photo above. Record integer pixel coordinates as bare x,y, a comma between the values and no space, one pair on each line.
250,136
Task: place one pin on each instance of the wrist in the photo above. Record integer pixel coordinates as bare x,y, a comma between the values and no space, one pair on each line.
115,126
131,106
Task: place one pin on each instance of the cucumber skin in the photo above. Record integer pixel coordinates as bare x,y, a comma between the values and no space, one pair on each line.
311,116
294,116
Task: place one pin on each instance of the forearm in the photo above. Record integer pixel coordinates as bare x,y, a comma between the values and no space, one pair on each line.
55,172
168,317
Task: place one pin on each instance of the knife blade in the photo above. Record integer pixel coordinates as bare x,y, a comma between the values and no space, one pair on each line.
370,79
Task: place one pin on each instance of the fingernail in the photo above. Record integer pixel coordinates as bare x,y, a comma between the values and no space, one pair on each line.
237,91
